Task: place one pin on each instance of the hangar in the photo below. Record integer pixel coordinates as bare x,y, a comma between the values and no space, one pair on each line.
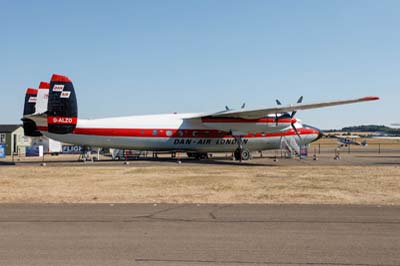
12,136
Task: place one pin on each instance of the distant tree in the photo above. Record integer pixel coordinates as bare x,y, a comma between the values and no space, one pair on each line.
369,128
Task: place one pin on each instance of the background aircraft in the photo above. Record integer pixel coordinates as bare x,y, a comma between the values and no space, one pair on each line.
239,131
349,140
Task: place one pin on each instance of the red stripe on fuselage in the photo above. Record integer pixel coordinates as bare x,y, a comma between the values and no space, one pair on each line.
242,120
176,133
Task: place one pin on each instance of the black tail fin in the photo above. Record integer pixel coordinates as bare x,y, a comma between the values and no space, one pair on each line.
62,108
30,128
30,101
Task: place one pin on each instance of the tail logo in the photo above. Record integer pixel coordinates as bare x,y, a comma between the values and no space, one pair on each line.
58,88
65,94
32,99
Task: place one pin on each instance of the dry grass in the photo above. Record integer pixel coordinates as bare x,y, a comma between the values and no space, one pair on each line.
201,184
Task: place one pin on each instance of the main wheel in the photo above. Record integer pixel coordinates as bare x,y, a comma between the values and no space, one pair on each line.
236,154
246,155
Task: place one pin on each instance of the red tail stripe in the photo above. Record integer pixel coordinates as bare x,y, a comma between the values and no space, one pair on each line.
31,91
44,85
60,78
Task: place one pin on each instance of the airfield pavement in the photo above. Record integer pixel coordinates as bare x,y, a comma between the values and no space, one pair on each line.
211,212
198,235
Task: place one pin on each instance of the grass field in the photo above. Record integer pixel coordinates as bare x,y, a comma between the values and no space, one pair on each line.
359,178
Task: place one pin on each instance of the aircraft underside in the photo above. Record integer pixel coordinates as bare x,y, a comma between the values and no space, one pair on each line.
225,144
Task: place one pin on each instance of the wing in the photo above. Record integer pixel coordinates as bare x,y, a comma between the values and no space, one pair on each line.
262,112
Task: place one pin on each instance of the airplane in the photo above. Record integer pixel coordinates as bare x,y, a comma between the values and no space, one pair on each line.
344,141
238,131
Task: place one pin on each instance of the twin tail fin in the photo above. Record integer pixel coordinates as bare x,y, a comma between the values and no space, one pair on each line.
62,107
52,107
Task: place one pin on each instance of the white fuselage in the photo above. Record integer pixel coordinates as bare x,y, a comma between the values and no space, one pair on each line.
172,132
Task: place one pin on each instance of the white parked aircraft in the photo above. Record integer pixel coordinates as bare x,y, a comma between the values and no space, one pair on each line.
238,131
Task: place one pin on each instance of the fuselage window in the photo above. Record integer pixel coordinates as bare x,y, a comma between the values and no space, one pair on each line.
168,133
155,132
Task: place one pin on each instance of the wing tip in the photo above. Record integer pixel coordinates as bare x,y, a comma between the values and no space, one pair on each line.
370,98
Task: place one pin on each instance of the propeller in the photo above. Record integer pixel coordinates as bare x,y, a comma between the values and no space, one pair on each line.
241,107
295,129
276,114
300,100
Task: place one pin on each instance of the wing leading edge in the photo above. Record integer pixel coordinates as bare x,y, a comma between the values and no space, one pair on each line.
262,112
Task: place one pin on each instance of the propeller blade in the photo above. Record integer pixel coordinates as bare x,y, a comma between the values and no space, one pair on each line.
297,132
276,115
300,100
227,108
243,106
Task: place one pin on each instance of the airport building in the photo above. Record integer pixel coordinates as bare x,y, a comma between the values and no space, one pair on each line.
13,139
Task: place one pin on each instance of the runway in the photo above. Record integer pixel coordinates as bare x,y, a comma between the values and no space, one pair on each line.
147,234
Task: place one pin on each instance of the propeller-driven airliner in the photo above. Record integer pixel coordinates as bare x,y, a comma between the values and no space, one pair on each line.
52,110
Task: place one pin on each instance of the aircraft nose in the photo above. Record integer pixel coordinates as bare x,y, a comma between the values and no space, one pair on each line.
317,131
320,133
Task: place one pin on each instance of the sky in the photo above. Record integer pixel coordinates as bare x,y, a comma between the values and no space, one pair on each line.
148,57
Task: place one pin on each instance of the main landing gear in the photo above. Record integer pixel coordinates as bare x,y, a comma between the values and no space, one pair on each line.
241,153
